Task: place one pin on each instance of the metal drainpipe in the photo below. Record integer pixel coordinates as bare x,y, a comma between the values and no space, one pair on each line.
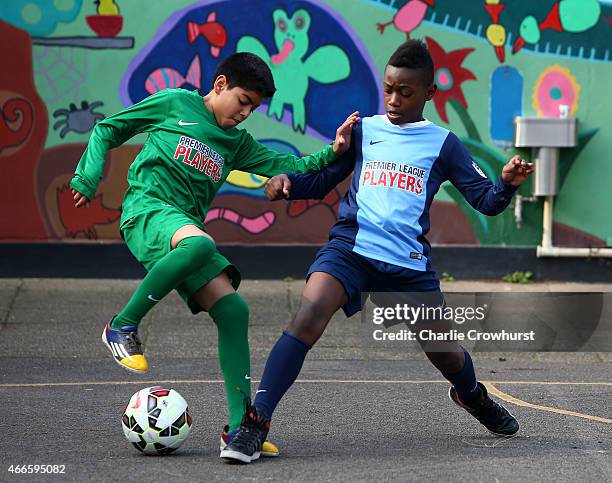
518,207
546,249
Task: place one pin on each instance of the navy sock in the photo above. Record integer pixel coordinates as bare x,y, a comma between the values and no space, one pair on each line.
465,381
282,368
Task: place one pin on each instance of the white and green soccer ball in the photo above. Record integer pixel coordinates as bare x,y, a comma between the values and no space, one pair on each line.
156,420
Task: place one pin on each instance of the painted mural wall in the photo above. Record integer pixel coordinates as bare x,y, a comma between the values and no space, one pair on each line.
66,64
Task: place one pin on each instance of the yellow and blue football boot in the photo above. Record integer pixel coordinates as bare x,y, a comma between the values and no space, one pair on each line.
126,348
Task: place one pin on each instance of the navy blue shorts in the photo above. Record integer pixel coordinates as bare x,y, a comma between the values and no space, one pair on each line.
359,274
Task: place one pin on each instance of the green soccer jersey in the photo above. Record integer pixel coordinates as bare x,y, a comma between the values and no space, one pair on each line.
187,156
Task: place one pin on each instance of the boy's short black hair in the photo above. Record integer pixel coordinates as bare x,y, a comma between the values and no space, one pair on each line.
414,54
248,71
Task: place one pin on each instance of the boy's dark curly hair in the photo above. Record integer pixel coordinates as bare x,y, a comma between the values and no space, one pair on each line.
414,54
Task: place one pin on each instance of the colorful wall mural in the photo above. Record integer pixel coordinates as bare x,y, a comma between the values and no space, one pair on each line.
67,64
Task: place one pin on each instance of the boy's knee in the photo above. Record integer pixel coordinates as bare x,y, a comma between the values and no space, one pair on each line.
199,248
241,309
307,325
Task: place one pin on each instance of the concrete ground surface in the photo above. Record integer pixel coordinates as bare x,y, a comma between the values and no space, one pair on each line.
358,412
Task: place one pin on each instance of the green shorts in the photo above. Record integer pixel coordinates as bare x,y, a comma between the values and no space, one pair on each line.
148,235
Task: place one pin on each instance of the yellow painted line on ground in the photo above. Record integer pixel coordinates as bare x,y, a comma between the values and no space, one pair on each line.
299,381
489,384
554,383
112,383
215,381
444,381
508,398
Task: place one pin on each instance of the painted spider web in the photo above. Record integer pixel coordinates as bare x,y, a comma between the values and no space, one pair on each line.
59,72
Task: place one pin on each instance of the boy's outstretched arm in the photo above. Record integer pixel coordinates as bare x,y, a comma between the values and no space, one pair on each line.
110,133
486,197
254,157
314,185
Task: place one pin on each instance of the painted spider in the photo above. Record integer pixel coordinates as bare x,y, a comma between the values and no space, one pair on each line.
78,120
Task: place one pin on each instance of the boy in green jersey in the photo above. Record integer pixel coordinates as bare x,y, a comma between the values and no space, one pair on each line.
192,146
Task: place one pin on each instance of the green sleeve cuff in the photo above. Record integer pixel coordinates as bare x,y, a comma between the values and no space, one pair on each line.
82,188
332,153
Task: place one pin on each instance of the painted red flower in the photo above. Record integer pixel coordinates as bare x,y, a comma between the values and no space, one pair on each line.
448,75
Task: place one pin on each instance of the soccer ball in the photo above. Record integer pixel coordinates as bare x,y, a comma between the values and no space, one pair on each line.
156,420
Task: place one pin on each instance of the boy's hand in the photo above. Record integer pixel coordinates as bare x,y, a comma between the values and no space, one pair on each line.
278,187
79,199
343,134
516,171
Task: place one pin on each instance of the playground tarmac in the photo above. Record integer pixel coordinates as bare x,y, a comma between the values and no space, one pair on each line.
358,412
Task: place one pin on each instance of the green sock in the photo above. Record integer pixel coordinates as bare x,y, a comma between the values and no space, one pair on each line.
231,314
167,274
